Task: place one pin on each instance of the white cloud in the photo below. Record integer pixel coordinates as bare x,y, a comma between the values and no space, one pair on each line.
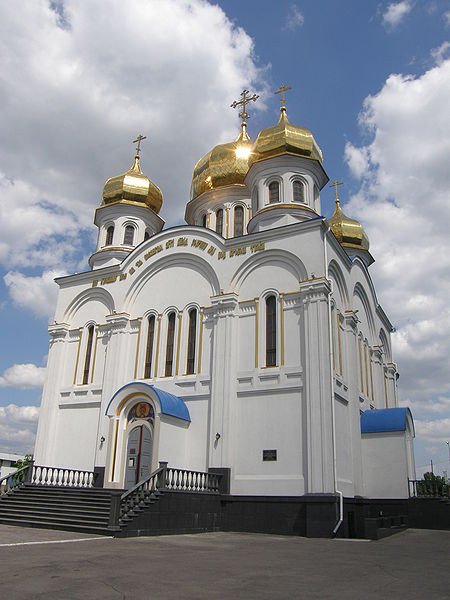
35,293
447,18
441,52
294,18
83,94
438,430
357,160
396,12
23,376
404,204
18,428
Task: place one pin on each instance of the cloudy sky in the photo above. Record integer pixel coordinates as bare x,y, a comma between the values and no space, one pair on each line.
79,79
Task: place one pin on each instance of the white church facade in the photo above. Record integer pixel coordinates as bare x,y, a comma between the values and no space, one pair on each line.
249,340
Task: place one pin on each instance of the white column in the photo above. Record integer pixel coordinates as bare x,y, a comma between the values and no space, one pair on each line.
351,350
48,414
376,358
391,384
318,388
223,377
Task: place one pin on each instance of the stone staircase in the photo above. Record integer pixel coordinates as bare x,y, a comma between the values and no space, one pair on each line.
84,510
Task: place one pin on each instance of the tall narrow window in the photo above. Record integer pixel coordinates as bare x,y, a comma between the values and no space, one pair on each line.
204,220
149,349
170,344
128,238
146,235
238,221
271,331
298,190
87,360
219,221
109,235
274,192
192,334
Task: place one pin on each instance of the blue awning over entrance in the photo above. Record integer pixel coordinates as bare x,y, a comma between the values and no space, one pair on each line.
386,420
170,405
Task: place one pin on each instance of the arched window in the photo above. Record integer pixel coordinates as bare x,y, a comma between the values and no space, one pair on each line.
274,192
204,220
170,344
219,221
238,221
128,237
271,331
192,335
109,235
87,360
146,235
298,190
149,348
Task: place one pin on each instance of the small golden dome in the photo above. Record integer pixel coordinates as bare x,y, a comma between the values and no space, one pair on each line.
133,186
285,138
349,232
225,164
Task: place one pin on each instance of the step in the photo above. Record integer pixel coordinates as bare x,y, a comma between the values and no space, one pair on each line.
56,503
42,524
58,498
57,512
66,490
58,494
55,519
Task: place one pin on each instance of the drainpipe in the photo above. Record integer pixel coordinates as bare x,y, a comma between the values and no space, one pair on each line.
333,411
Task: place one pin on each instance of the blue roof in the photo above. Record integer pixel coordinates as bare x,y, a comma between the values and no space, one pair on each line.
385,420
170,404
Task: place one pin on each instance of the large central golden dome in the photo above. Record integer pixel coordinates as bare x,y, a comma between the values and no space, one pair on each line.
285,138
133,186
225,164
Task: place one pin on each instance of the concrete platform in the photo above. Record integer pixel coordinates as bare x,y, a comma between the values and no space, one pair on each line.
63,566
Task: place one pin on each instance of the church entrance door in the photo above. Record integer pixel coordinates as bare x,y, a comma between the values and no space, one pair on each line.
139,455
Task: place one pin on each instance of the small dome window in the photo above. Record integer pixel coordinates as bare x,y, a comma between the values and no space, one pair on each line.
109,235
146,235
298,191
219,221
274,192
128,237
204,220
238,221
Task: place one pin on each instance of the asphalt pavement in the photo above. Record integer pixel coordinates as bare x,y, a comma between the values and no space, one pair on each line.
38,564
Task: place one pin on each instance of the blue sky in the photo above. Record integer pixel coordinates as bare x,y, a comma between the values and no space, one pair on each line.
370,79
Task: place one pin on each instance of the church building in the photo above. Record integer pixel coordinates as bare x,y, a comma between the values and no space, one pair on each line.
249,342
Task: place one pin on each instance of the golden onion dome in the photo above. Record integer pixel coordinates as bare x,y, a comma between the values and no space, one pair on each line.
285,138
226,164
349,232
133,186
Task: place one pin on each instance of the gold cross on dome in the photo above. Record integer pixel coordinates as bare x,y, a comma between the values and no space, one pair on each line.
138,141
282,90
243,102
335,184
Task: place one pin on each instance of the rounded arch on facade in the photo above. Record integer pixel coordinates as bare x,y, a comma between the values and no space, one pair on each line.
384,342
360,293
182,259
359,266
97,294
336,274
279,258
